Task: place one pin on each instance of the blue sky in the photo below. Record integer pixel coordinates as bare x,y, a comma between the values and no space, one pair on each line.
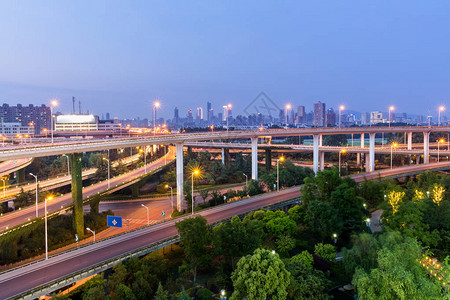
120,56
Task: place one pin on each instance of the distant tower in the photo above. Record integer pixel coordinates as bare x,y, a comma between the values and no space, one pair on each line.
319,114
73,105
208,112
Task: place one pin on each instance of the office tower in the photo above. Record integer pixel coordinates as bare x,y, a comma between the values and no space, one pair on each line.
199,113
365,118
319,114
39,116
331,118
301,115
208,112
176,117
376,117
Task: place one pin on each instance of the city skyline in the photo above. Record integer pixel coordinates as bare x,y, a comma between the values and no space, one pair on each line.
186,54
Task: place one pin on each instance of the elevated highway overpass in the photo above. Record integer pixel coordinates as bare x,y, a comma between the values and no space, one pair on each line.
44,276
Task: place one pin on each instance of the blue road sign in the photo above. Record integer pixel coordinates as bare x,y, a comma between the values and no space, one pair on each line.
114,221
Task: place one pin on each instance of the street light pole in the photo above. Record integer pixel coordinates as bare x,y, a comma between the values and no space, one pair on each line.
288,107
278,173
441,108
390,109
53,104
342,151
155,105
228,114
92,231
171,194
35,177
104,158
439,141
392,147
246,179
192,190
341,108
148,215
46,228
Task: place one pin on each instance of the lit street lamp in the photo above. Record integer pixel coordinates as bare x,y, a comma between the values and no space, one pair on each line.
341,108
148,215
46,234
171,194
52,105
368,224
228,114
440,141
246,179
196,172
222,295
92,231
288,107
109,175
278,172
391,108
335,238
392,147
155,106
35,177
340,152
441,108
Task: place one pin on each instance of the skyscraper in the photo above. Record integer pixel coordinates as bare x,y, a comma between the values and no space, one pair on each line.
301,114
208,112
319,114
176,117
331,117
200,113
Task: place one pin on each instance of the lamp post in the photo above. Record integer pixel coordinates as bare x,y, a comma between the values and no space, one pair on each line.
92,231
104,158
192,190
440,141
368,224
278,172
288,107
341,108
148,216
4,187
52,105
391,108
246,179
144,151
340,152
335,238
441,108
35,177
228,114
171,194
155,106
68,164
45,218
392,147
222,295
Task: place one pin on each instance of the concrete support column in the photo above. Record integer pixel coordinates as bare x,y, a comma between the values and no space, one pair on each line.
20,176
223,156
320,140
255,158
362,140
417,159
77,193
315,153
410,140
426,147
268,160
322,160
135,189
371,152
358,159
179,166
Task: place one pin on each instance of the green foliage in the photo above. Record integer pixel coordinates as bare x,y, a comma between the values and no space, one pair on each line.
372,192
281,226
363,254
298,214
399,274
204,294
327,251
195,237
322,219
260,276
255,188
160,293
285,244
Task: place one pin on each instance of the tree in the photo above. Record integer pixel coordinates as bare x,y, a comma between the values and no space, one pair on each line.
298,213
160,293
322,219
321,186
394,199
123,292
327,251
285,244
437,193
260,276
195,237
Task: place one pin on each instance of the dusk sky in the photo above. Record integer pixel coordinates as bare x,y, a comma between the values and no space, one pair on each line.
120,56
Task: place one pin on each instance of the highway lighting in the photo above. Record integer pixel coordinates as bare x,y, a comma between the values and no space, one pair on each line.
391,108
148,215
53,104
109,173
171,193
4,187
194,173
278,172
341,108
441,108
92,231
155,106
212,128
368,223
68,164
228,114
35,177
273,252
340,152
246,179
335,238
394,145
46,227
222,295
288,107
439,142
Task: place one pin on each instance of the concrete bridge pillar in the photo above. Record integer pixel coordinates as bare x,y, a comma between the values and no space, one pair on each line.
179,166
371,152
268,160
322,160
362,140
77,193
223,156
316,153
358,159
410,140
426,147
20,176
255,158
320,140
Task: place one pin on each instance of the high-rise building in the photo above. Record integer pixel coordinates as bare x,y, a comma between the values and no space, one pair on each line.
331,117
199,113
319,114
376,117
108,117
365,118
208,112
176,116
301,115
39,116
